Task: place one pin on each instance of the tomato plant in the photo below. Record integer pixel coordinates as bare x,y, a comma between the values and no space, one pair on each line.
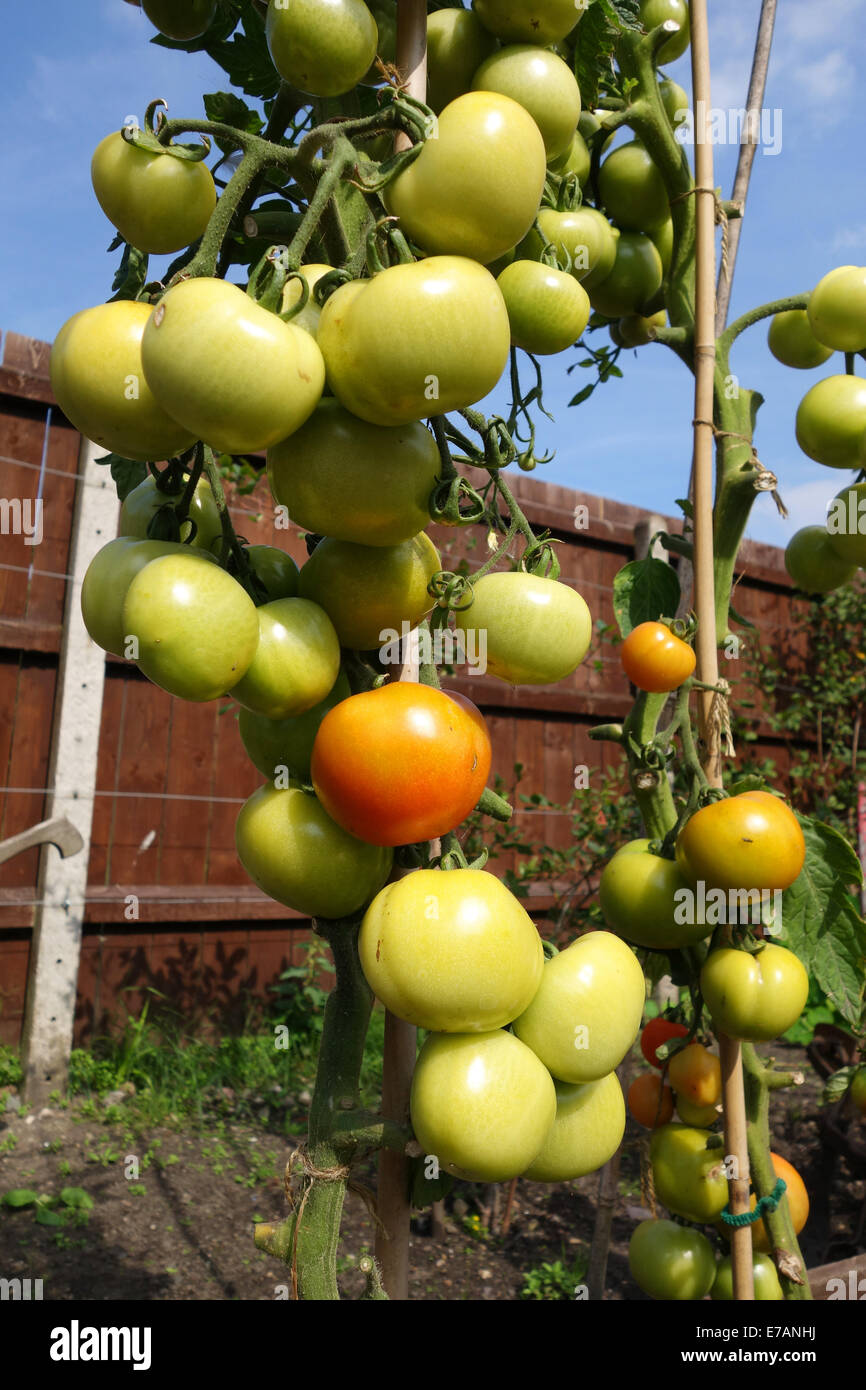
141,505
797,1199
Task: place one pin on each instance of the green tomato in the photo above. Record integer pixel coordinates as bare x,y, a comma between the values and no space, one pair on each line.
538,21
345,478
385,14
639,898
451,952
588,1008
457,44
831,422
656,12
584,240
196,628
689,1177
846,524
310,316
674,99
837,309
143,502
487,153
296,661
757,997
858,1090
635,278
273,744
813,561
792,342
157,202
368,590
482,1103
181,20
766,1280
274,569
541,83
292,849
322,47
98,379
662,239
530,630
548,310
634,329
109,575
232,372
416,340
576,160
587,1131
670,1262
632,189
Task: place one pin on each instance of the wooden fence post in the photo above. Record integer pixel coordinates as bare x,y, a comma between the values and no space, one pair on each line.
62,883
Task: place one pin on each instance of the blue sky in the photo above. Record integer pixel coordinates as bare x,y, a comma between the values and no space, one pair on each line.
71,73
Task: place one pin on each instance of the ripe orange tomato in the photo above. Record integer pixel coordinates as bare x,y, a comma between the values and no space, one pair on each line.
656,1032
696,1074
798,1202
655,659
650,1102
400,764
748,841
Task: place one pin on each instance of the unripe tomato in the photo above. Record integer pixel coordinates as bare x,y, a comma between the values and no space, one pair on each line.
846,525
797,1198
858,1090
671,1262
451,952
98,379
656,1032
536,630
274,569
748,841
674,99
792,342
642,896
636,276
385,14
296,662
296,854
457,44
288,743
662,239
400,764
487,153
650,1102
345,478
766,1280
632,189
143,502
541,83
368,591
758,996
482,1103
655,659
576,160
696,1073
323,47
689,1178
308,317
698,1116
157,202
416,340
109,575
181,20
635,329
571,1023
831,422
587,1131
547,309
655,12
538,21
583,238
837,309
232,372
814,563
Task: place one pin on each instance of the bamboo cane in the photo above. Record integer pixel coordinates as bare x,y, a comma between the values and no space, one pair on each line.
733,1095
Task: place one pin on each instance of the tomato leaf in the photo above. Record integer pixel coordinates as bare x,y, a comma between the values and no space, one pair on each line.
820,918
228,109
131,275
127,473
46,1217
76,1197
595,42
643,592
583,395
20,1197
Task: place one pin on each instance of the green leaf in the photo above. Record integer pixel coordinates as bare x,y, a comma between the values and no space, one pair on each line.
583,395
643,592
130,277
595,42
686,507
127,473
836,1085
821,921
46,1217
244,55
425,1190
228,109
20,1197
76,1197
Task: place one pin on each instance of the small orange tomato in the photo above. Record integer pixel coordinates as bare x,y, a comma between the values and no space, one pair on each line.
696,1074
655,659
798,1202
649,1101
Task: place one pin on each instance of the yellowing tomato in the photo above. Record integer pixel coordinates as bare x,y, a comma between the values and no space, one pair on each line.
756,996
369,591
655,659
531,630
748,841
586,1132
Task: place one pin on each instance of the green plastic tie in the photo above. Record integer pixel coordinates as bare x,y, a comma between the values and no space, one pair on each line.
748,1218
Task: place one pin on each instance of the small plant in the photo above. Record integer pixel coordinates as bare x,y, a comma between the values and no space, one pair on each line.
11,1073
475,1226
137,1189
554,1282
70,1207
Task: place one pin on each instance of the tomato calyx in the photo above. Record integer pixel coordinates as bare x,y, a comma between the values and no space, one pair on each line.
540,558
147,137
453,594
454,502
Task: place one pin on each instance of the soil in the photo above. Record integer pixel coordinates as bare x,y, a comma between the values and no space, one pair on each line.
173,1207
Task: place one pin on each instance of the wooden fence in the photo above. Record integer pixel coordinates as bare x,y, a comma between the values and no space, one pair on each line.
171,776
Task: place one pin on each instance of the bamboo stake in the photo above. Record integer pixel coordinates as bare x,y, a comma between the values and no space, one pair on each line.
398,1063
733,1096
